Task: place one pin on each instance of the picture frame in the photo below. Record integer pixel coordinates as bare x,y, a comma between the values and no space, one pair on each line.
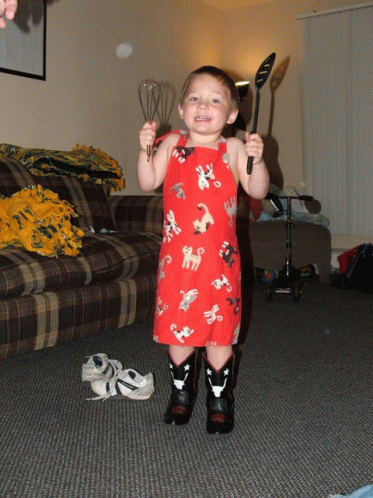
23,41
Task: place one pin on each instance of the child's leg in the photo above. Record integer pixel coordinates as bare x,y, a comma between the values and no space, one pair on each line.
184,378
179,353
218,355
219,364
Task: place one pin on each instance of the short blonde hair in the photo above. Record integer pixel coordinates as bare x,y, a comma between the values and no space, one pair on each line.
217,73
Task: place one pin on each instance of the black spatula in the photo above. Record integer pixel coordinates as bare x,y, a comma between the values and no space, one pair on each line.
260,78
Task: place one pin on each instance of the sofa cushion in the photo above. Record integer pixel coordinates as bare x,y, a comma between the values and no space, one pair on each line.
28,323
103,258
137,213
89,199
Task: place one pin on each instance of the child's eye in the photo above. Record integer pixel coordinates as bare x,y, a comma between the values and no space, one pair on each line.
215,101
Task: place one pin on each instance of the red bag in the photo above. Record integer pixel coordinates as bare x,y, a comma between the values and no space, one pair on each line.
345,259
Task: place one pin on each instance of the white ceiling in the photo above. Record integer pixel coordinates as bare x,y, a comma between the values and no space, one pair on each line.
233,4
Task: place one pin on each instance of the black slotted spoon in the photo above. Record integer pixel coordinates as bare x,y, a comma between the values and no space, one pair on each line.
261,77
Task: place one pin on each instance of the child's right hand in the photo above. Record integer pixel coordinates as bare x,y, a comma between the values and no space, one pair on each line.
147,135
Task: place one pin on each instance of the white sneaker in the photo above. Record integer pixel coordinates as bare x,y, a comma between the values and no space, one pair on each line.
108,379
99,367
126,383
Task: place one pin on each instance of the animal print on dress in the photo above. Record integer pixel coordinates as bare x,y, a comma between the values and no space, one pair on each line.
199,290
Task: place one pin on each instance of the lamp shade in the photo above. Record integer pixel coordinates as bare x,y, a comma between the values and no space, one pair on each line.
243,88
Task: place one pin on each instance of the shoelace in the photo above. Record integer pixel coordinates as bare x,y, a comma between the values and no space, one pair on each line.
113,379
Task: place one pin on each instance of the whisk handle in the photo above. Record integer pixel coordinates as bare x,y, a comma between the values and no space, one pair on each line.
149,151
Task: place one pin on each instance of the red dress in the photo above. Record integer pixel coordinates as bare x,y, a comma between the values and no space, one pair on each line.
198,299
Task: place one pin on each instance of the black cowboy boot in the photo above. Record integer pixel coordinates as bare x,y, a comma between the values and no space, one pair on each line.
220,400
184,379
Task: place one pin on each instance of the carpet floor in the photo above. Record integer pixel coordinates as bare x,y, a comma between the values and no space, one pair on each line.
303,426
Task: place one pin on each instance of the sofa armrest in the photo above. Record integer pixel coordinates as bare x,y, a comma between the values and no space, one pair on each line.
137,213
264,245
311,243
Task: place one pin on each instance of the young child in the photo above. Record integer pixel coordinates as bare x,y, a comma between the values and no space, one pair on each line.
199,285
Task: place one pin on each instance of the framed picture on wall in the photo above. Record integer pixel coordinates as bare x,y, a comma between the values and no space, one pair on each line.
23,41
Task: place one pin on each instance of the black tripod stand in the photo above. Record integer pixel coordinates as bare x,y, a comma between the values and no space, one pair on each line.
289,278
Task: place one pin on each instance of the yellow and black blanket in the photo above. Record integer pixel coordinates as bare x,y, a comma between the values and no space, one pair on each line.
37,220
83,162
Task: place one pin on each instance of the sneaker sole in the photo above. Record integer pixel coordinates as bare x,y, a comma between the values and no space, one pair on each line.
138,397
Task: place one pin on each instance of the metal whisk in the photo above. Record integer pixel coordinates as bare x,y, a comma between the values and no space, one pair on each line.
149,95
166,102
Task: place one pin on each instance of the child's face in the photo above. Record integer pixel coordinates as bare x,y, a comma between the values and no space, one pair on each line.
207,106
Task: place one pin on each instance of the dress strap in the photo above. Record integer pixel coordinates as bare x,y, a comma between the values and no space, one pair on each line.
222,145
173,132
183,139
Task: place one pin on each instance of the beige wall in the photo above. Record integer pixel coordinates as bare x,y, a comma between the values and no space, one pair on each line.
250,35
90,96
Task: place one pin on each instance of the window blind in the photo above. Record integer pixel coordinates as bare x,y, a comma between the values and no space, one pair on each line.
337,120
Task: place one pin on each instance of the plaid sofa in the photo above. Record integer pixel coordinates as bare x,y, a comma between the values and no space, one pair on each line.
111,283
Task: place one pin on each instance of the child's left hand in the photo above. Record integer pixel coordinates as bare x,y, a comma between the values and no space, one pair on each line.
254,146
